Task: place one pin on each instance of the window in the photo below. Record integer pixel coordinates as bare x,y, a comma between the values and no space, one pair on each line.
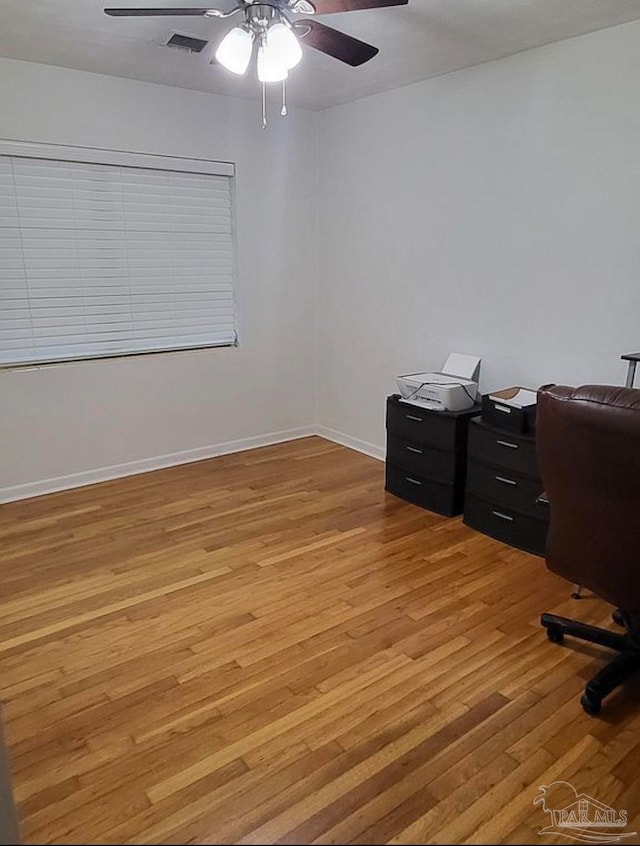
105,254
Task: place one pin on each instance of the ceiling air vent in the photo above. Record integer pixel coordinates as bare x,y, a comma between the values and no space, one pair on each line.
186,42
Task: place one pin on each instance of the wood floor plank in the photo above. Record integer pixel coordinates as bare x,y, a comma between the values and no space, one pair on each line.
266,647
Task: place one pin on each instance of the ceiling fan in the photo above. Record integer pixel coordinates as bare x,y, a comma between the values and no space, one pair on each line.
271,27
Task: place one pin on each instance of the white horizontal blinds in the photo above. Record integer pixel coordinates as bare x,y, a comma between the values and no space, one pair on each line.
100,260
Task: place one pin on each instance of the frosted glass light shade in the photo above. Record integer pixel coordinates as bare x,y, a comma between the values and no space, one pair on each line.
234,51
285,44
270,66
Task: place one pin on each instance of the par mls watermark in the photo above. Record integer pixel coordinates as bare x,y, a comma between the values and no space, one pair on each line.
580,817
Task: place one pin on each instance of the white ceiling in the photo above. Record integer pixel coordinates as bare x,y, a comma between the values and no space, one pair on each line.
424,39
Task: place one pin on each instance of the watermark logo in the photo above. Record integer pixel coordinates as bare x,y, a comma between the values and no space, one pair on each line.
580,817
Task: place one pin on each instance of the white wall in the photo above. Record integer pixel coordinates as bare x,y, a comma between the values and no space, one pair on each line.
493,211
77,418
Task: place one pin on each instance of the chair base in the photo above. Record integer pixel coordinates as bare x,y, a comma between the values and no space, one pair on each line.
608,678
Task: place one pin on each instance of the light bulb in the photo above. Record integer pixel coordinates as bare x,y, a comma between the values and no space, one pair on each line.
281,39
270,66
234,51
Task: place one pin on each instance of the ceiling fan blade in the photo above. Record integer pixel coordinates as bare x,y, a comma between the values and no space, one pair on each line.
334,43
143,13
330,7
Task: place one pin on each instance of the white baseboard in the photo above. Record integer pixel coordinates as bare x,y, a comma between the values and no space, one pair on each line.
131,468
353,443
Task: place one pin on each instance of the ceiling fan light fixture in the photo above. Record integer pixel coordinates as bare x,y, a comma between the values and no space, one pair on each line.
282,40
267,25
234,51
303,7
270,66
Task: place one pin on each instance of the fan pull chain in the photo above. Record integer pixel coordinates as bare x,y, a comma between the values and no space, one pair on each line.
264,105
283,110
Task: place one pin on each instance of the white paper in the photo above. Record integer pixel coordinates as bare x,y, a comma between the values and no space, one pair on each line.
461,365
523,398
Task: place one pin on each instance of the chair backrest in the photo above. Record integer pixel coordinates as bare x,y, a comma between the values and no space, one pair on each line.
588,442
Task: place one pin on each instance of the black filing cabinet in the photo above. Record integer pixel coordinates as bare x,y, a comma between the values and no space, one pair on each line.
426,455
502,488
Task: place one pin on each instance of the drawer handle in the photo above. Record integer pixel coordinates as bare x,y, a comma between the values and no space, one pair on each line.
508,444
415,419
413,481
502,516
414,449
505,481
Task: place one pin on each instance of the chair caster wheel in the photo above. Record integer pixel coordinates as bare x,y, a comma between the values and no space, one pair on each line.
555,634
590,704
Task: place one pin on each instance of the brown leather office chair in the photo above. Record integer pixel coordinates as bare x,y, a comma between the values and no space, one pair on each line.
588,442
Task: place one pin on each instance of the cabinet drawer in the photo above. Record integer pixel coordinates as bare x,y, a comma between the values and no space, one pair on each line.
419,426
519,420
435,496
504,449
506,488
421,459
505,525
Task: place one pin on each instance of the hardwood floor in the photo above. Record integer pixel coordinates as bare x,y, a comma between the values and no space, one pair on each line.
268,648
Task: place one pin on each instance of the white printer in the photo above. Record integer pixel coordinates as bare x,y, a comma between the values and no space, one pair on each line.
454,388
